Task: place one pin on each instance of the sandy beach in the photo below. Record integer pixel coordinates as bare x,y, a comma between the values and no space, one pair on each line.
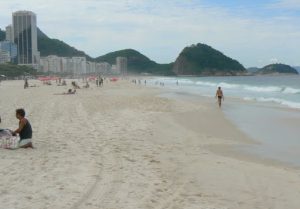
124,146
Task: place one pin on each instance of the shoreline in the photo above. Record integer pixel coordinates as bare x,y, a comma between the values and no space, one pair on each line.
125,146
242,150
257,89
234,150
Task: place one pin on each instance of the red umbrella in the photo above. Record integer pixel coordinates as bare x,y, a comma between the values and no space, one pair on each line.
54,78
46,78
92,78
114,79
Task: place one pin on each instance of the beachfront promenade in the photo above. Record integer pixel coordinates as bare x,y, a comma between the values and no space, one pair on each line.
123,146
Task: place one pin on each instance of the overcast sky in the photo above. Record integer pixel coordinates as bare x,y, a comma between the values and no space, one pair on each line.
255,32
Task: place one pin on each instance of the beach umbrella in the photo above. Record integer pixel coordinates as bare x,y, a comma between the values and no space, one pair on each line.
114,79
46,78
53,78
92,78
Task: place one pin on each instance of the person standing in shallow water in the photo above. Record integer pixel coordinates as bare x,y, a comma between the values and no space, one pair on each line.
220,96
24,130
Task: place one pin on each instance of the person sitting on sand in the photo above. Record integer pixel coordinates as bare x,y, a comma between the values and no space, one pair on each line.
24,130
75,85
26,85
71,92
62,83
87,85
220,96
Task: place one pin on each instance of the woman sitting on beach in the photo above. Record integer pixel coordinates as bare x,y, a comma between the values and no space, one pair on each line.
69,92
26,85
75,85
86,85
24,130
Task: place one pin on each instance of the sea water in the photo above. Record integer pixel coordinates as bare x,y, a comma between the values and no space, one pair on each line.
270,113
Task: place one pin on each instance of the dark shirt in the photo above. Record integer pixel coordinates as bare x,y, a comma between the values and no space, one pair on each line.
26,132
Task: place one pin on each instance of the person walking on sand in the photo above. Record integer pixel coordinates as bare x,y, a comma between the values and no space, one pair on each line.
220,96
24,130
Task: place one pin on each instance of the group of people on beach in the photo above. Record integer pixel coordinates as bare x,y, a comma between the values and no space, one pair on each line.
24,131
99,81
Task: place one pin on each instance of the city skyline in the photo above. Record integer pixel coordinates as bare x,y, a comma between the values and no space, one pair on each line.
256,33
21,47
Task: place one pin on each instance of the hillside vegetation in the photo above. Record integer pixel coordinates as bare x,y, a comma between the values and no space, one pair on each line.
48,46
202,59
137,62
12,71
2,35
277,69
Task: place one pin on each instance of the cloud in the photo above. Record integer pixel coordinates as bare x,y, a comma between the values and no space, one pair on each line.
161,29
287,4
274,60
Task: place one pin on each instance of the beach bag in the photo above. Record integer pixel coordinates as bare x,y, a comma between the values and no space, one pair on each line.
8,141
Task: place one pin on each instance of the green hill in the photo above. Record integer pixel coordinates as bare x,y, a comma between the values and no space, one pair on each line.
277,69
2,35
198,59
48,46
297,68
137,62
41,34
202,59
253,69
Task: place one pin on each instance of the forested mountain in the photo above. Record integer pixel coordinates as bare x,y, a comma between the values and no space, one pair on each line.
202,59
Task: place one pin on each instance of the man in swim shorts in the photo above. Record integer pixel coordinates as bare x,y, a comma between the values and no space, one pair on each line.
220,96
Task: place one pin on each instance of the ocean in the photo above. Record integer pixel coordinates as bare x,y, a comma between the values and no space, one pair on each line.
266,108
282,90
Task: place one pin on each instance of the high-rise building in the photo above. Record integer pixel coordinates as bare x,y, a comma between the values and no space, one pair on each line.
44,64
11,48
4,57
79,65
74,65
114,69
53,63
69,65
63,64
103,68
90,67
25,36
9,33
121,65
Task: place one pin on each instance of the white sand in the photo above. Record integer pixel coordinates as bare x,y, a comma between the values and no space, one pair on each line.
122,147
